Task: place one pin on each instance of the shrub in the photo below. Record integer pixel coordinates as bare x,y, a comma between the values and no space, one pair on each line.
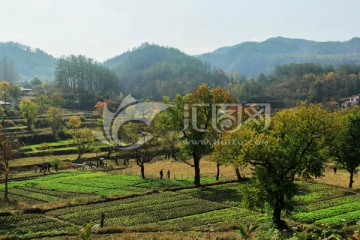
82,118
57,161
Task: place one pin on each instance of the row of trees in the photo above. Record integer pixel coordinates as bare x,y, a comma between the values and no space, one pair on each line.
84,141
8,72
7,146
297,143
85,75
30,110
9,91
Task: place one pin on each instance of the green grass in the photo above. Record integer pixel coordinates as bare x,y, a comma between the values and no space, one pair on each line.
229,194
189,209
99,183
340,220
33,195
16,128
139,210
54,145
326,203
223,217
50,144
30,226
310,197
39,159
327,212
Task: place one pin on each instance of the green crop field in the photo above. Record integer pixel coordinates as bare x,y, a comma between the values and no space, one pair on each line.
100,183
189,209
28,226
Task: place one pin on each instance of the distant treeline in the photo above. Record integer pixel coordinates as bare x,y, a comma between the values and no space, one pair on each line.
151,72
297,82
84,74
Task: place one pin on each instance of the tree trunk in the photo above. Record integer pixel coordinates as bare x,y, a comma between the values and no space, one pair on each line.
351,179
197,169
28,124
142,167
279,203
79,156
218,171
238,174
6,197
110,150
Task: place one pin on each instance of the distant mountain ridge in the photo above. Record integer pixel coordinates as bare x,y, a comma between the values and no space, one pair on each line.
152,71
248,58
28,61
253,58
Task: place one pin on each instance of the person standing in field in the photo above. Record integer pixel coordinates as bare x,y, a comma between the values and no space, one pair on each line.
161,174
168,174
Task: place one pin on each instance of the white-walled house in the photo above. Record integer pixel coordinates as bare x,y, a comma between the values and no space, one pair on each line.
353,100
2,103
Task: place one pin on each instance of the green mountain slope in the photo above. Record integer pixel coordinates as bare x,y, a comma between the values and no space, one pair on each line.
27,61
253,58
152,71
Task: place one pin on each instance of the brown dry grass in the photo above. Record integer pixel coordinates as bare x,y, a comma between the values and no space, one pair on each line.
183,170
179,169
208,169
36,160
341,178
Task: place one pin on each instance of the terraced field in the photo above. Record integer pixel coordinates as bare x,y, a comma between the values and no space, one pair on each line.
100,183
29,226
323,204
36,195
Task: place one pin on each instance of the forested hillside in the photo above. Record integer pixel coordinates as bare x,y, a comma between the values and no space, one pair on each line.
296,82
82,81
152,71
253,58
27,61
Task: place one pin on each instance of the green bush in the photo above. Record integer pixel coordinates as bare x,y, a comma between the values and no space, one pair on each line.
57,161
82,118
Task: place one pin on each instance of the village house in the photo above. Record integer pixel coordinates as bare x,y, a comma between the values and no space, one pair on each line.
344,102
353,100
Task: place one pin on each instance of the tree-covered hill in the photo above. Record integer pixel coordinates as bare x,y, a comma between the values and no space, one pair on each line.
293,83
27,61
152,71
253,58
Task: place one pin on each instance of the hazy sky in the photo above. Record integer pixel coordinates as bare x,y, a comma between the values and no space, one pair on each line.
104,28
